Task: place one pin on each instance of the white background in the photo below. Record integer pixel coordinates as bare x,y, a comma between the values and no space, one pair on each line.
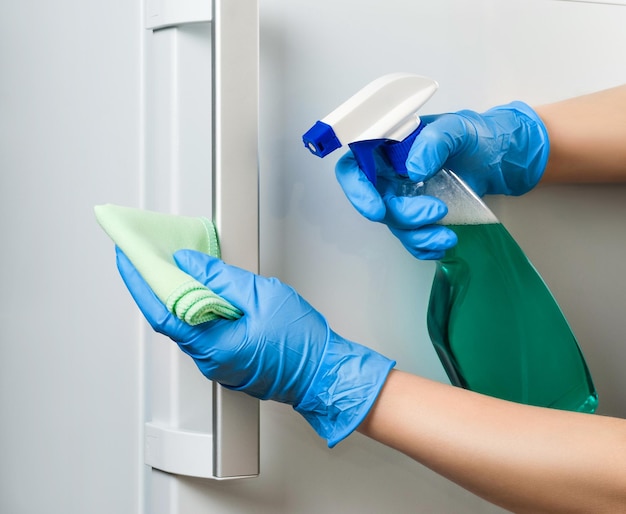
71,135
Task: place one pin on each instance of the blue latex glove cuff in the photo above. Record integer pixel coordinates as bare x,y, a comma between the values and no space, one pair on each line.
526,157
332,405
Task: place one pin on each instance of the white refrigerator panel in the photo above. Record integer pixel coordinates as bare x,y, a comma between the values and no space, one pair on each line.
315,55
72,135
70,138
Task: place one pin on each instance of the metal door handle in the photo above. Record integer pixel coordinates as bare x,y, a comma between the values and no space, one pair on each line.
231,448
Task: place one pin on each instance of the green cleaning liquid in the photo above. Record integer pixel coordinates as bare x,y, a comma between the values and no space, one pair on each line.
492,319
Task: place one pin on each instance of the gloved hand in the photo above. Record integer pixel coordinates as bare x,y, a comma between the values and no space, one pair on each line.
502,151
280,349
410,218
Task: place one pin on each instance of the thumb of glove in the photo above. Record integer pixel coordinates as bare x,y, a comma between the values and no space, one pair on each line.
443,137
230,282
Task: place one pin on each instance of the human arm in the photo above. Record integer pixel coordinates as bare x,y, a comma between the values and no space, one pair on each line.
587,138
522,458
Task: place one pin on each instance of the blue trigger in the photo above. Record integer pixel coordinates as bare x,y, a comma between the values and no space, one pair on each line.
396,153
364,154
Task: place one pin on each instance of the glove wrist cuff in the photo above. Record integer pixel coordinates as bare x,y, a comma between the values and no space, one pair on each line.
344,388
529,150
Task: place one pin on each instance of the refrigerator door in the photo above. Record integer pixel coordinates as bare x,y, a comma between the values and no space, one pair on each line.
201,159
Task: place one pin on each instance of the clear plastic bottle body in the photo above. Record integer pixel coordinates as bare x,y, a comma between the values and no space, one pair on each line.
492,319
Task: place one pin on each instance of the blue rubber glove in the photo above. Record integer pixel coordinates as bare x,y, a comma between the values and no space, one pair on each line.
502,151
410,218
281,349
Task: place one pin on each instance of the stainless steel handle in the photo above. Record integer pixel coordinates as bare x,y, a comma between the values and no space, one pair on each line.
236,204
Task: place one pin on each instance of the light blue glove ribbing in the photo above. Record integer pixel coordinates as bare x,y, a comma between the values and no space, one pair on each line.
280,349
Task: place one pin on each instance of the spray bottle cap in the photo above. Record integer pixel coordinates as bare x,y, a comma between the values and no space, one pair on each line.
382,113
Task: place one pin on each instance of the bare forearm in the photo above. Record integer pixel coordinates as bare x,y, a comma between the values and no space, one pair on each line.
587,138
526,459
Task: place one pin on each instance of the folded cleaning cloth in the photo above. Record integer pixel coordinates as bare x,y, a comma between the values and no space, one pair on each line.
150,239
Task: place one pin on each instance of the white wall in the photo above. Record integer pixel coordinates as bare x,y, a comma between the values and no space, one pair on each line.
70,137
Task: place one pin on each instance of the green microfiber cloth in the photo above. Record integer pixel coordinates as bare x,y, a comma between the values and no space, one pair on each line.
150,239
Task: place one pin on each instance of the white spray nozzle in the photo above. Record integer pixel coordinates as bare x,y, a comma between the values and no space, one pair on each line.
384,109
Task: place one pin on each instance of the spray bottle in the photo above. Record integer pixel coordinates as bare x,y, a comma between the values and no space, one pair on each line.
494,323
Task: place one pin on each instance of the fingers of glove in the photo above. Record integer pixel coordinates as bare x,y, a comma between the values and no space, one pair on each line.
152,308
221,350
412,212
233,284
260,298
358,189
265,352
427,255
421,242
219,346
446,136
